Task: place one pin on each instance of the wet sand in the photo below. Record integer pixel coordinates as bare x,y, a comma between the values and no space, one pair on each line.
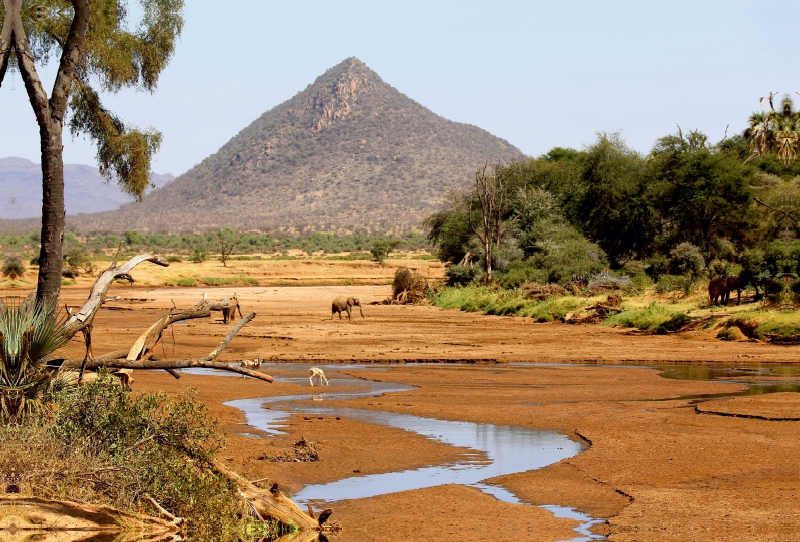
657,469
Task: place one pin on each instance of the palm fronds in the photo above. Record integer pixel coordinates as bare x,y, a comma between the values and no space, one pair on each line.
30,334
775,131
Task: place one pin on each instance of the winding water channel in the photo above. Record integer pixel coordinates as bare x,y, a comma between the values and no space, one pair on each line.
500,450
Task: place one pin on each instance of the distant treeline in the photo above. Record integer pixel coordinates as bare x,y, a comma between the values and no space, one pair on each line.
105,244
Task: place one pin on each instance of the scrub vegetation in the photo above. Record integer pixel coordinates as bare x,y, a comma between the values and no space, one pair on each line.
655,228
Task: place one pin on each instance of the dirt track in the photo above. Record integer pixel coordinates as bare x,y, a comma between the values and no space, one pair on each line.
659,470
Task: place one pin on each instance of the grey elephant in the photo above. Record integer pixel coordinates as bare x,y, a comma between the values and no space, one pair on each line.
341,305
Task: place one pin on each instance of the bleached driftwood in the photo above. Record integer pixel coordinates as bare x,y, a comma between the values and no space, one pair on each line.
119,359
85,316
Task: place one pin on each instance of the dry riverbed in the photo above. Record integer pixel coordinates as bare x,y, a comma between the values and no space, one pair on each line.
657,466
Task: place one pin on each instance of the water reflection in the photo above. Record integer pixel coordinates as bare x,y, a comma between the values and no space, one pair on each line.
31,518
505,450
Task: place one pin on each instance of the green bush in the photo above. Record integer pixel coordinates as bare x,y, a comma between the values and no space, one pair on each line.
459,274
686,259
637,286
198,256
551,309
13,268
654,317
355,256
518,273
148,444
655,266
668,283
173,258
79,259
504,302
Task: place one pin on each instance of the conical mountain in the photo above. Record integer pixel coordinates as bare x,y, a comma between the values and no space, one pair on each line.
348,151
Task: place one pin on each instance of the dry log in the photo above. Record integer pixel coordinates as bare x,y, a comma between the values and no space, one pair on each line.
206,361
274,504
84,317
143,347
82,320
602,307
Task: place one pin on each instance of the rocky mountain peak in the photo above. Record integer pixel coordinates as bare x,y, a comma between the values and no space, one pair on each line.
348,152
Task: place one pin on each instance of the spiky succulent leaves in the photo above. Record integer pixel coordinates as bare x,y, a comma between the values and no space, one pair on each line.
29,336
124,153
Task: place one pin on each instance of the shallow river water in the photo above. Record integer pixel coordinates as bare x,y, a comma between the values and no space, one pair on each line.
499,449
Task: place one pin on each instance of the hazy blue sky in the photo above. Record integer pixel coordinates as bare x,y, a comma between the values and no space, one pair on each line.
539,74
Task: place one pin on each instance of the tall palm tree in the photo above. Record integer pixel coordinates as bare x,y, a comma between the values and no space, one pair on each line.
29,336
775,131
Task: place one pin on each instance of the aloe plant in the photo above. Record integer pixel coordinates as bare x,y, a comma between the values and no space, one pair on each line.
30,334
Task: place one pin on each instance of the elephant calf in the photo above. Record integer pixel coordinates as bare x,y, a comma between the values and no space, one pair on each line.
341,304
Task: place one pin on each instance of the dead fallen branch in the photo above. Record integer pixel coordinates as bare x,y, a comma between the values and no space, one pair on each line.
206,361
601,312
84,317
143,347
276,505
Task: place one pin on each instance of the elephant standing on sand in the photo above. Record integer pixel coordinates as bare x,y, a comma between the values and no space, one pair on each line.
721,288
341,305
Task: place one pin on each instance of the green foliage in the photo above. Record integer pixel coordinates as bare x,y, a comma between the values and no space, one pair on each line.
115,57
753,267
13,268
504,302
686,259
381,248
614,210
703,191
760,323
229,281
198,256
79,259
29,337
518,273
656,318
150,444
123,153
450,231
459,274
562,252
775,131
227,241
720,268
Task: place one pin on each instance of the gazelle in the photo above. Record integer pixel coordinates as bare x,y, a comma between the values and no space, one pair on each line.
317,373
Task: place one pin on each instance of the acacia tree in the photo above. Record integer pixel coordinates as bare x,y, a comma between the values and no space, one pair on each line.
491,193
227,239
96,50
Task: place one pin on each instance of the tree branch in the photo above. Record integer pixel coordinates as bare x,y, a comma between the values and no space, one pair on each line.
206,361
70,57
12,8
84,317
27,66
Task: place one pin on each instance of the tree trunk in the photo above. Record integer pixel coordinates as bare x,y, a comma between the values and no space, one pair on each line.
488,256
50,117
53,211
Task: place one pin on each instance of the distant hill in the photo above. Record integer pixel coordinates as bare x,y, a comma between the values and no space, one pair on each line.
348,151
86,192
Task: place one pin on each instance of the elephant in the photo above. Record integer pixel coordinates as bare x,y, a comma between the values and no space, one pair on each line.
341,304
721,288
